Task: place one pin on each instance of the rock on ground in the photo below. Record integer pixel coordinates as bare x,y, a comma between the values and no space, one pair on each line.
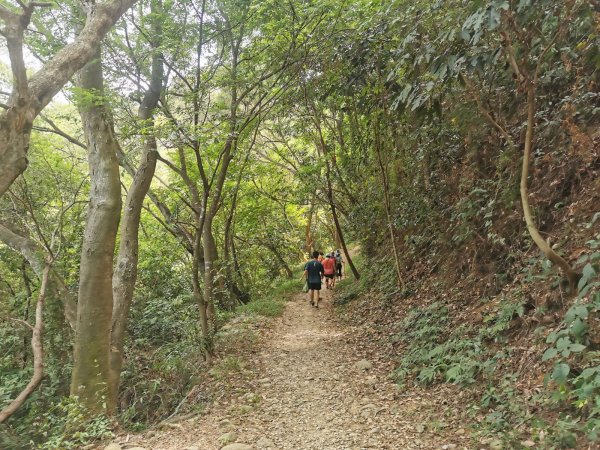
237,447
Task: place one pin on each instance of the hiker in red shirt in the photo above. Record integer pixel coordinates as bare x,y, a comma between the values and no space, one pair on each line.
329,269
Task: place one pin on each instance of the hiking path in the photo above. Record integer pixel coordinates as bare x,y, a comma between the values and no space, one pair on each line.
314,389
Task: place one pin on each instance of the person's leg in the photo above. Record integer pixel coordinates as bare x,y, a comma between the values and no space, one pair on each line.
318,295
311,294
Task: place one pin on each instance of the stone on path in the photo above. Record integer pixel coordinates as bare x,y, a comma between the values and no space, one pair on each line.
496,444
363,364
225,425
237,447
227,438
263,442
112,447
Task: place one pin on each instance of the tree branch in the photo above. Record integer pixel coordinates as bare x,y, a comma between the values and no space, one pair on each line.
38,351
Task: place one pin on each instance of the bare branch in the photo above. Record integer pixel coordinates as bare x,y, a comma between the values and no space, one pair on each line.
38,351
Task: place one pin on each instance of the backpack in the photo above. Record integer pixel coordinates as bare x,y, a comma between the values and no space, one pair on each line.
338,258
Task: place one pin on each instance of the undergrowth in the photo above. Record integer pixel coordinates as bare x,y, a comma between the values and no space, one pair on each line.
439,344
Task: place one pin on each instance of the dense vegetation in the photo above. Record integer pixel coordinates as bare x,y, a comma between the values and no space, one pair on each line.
197,150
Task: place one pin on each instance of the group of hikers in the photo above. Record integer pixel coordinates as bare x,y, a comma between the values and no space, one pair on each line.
328,267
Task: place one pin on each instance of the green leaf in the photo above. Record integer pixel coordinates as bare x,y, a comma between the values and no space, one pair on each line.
453,373
523,4
577,347
549,354
579,328
587,373
576,311
560,373
552,337
587,274
562,343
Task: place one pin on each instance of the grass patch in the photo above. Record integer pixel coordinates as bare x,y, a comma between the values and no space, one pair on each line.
226,367
268,307
285,287
274,304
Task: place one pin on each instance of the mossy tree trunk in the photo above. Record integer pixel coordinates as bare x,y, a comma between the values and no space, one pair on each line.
89,380
126,267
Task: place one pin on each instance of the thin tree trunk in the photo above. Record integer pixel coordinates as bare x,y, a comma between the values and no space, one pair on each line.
28,293
343,241
387,202
208,240
200,298
210,274
273,249
89,380
38,351
330,199
125,274
308,239
228,243
571,274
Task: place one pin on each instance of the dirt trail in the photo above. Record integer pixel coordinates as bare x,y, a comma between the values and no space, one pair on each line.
310,394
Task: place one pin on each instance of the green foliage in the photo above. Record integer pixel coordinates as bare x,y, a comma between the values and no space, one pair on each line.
268,307
576,370
68,425
430,356
226,367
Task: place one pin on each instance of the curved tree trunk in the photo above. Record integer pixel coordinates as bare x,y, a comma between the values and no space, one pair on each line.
89,380
38,351
571,274
126,269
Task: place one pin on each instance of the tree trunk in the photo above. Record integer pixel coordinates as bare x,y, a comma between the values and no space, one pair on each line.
38,351
125,274
308,239
341,236
330,198
199,297
387,202
89,380
210,273
571,274
282,263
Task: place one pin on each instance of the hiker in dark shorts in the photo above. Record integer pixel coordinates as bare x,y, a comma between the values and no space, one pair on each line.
338,263
329,269
313,273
